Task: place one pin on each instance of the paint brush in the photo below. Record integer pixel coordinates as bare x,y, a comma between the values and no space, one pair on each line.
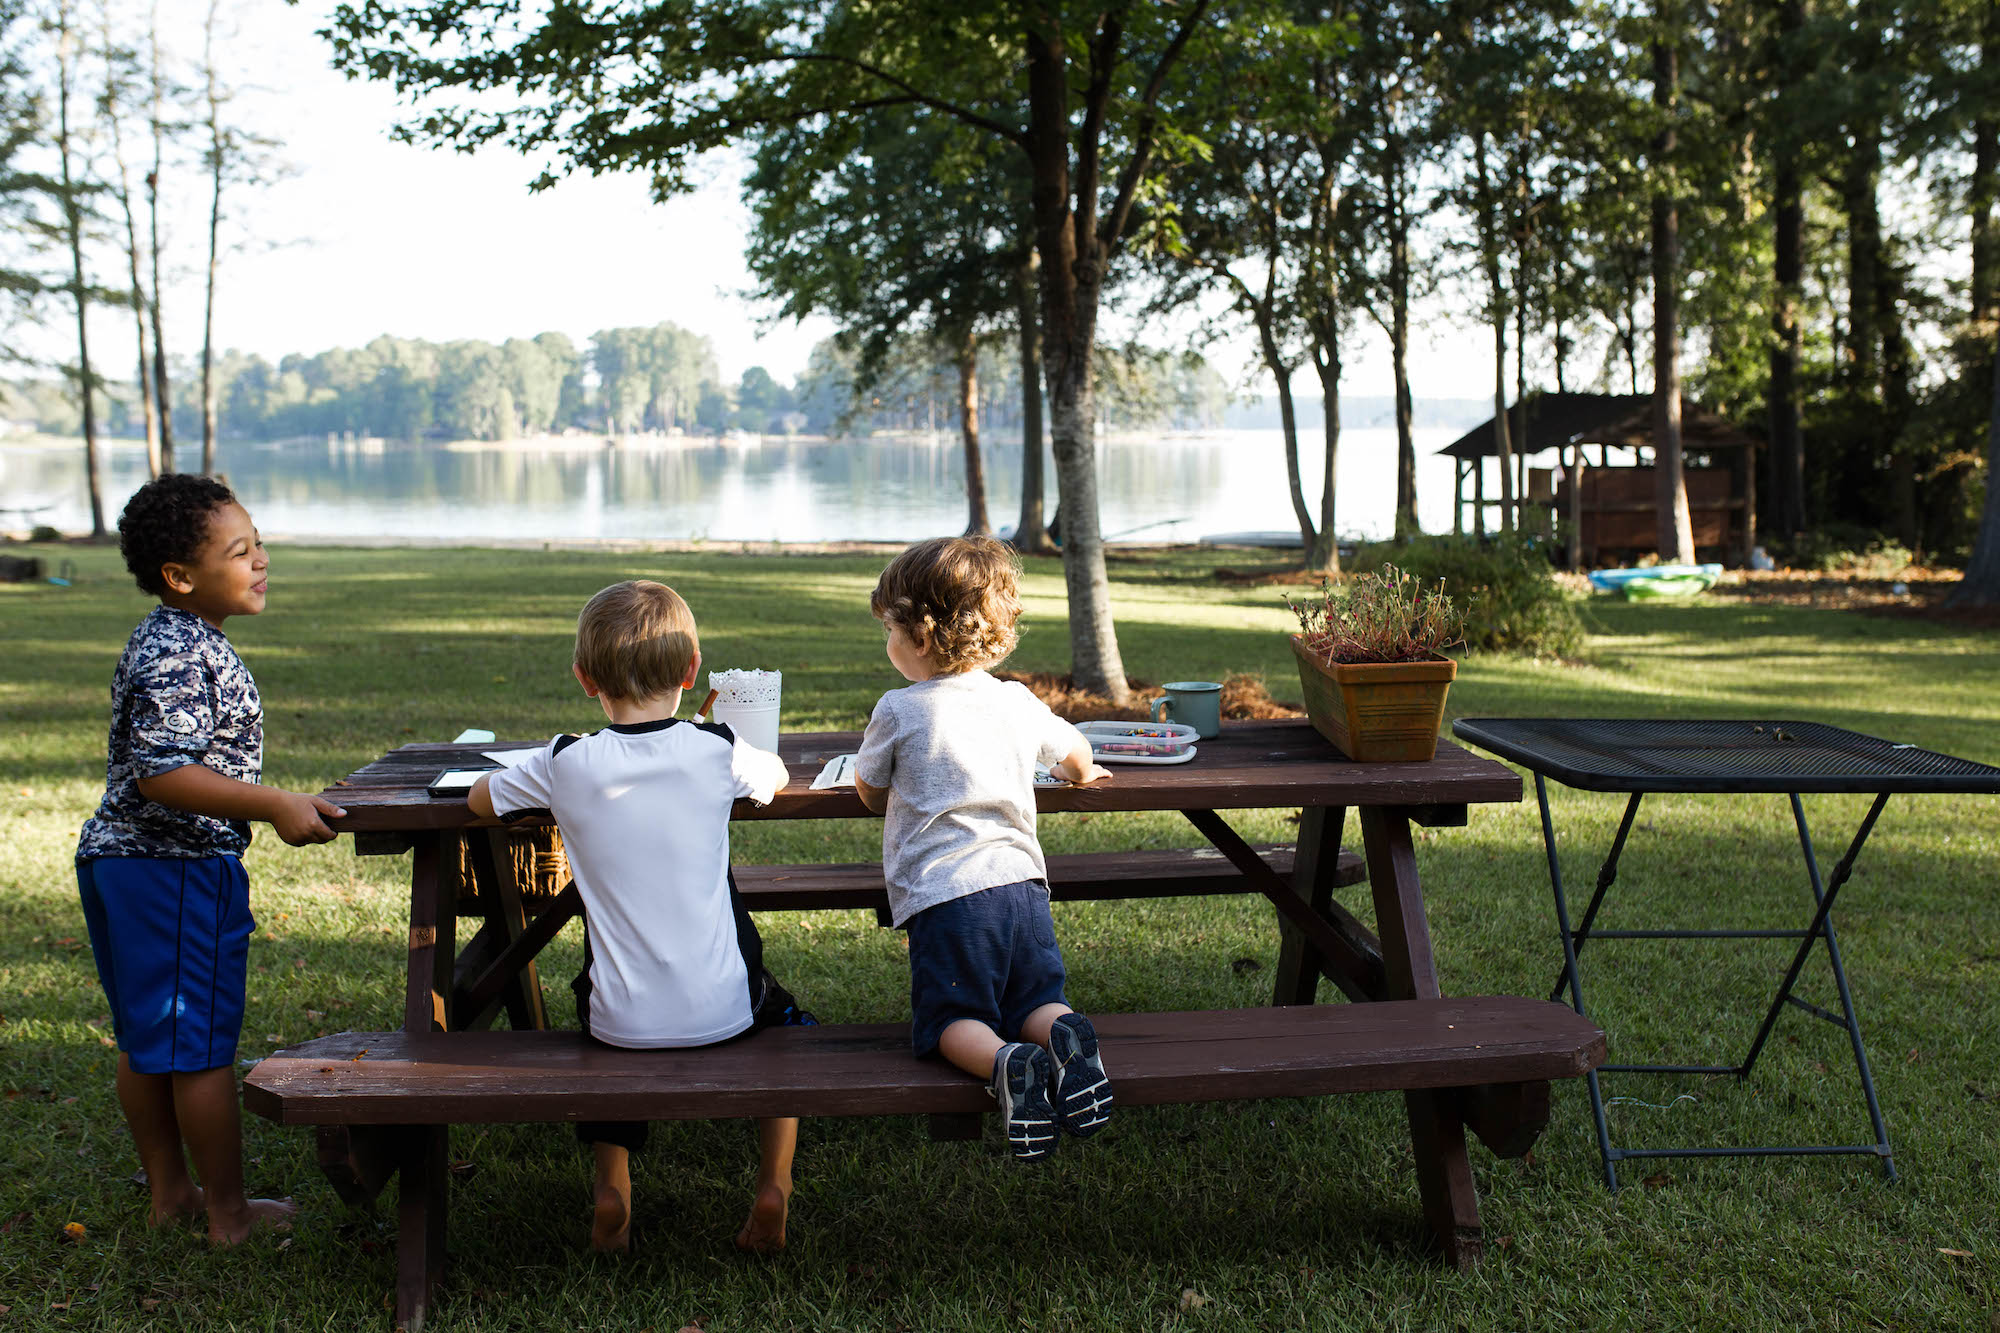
701,713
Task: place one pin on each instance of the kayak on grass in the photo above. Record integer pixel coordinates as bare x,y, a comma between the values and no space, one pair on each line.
1613,580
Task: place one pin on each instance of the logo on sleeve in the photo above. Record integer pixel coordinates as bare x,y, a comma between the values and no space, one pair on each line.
178,720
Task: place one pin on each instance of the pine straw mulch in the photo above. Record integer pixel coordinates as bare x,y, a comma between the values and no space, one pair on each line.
1922,597
1242,697
1871,591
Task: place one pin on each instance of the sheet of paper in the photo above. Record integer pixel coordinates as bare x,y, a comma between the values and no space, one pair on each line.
839,772
509,758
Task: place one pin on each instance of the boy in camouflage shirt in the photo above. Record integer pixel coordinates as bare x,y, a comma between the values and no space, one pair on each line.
159,867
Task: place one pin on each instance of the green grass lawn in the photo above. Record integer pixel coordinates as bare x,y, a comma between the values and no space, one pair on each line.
1273,1215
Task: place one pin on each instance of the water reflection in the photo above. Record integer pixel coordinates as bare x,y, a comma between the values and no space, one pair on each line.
1174,488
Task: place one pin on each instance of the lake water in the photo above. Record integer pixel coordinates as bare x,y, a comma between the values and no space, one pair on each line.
1177,487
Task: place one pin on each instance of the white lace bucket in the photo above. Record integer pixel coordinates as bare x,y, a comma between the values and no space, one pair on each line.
748,702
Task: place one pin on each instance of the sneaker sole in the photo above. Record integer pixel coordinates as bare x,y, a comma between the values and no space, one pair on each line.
1083,1097
1030,1137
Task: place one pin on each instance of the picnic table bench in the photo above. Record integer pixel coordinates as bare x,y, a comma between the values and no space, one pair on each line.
384,1102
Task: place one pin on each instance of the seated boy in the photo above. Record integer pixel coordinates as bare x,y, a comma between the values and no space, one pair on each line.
159,866
671,958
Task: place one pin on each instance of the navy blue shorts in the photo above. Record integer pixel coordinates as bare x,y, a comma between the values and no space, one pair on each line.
990,955
171,938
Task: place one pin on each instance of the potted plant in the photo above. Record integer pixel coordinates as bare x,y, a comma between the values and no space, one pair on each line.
1372,666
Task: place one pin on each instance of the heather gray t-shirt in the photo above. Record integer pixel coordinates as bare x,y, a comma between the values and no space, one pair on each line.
957,755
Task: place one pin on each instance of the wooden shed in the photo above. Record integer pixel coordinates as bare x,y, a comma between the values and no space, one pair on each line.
1611,514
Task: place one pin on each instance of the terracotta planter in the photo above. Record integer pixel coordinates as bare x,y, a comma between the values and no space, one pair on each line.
1376,712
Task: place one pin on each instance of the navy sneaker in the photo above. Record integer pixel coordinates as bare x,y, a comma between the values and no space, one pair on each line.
1020,1084
1082,1098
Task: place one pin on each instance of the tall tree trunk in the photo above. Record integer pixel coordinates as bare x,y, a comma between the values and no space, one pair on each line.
1981,586
1031,537
976,523
1985,191
1787,444
1489,249
1288,420
72,206
1072,276
1985,246
1399,354
1522,288
162,392
215,165
1324,556
114,106
1864,258
1675,527
1898,404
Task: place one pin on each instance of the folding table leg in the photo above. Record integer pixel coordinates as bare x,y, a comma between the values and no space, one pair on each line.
1607,875
1822,927
1606,1153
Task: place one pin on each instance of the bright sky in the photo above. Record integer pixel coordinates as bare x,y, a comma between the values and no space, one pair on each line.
376,237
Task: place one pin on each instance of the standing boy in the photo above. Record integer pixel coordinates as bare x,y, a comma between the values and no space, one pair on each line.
951,759
159,867
671,958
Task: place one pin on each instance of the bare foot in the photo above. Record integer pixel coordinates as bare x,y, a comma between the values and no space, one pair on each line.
233,1228
181,1208
764,1230
610,1220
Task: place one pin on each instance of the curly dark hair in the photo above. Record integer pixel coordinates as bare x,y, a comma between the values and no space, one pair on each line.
166,520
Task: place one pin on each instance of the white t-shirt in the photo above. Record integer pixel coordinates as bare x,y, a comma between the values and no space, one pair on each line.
958,754
644,813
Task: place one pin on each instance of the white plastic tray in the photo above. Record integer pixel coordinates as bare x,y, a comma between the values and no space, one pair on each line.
1152,742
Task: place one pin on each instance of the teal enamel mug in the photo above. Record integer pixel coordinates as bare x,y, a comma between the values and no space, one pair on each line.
1192,703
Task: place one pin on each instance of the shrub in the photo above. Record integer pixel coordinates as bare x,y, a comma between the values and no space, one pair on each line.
1503,584
1847,547
44,533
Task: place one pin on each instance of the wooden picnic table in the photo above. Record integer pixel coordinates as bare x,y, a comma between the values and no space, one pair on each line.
1251,765
1494,1082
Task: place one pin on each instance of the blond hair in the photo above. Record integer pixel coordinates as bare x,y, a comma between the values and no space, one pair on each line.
636,640
957,596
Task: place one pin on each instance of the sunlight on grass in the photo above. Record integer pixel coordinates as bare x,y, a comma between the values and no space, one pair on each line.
1282,1214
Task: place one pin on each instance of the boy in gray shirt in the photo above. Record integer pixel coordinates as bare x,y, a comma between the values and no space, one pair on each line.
951,761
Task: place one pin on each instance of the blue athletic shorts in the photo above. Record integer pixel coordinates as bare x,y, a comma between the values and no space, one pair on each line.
990,955
171,938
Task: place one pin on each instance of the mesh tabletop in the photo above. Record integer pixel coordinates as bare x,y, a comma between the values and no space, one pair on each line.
1665,755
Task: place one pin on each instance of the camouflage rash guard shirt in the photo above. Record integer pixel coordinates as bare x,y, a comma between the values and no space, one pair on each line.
180,696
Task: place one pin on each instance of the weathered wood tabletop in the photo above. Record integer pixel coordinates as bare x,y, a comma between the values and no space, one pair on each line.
1251,765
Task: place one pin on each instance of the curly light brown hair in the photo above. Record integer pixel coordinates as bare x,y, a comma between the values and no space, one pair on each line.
958,598
636,640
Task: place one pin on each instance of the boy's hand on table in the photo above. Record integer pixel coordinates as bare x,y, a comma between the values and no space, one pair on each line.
1079,768
200,790
296,817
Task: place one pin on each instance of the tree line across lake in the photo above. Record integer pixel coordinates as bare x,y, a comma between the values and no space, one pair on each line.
661,378
1785,208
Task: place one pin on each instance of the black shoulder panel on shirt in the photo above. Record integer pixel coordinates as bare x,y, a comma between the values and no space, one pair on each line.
563,742
718,729
532,812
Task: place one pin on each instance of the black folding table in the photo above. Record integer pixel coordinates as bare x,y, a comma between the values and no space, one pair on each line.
1643,756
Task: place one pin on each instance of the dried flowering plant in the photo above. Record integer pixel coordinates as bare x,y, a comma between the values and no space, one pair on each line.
1381,617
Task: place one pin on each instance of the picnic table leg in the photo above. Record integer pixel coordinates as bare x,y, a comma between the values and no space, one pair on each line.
427,992
420,1213
1299,964
1437,1130
489,856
